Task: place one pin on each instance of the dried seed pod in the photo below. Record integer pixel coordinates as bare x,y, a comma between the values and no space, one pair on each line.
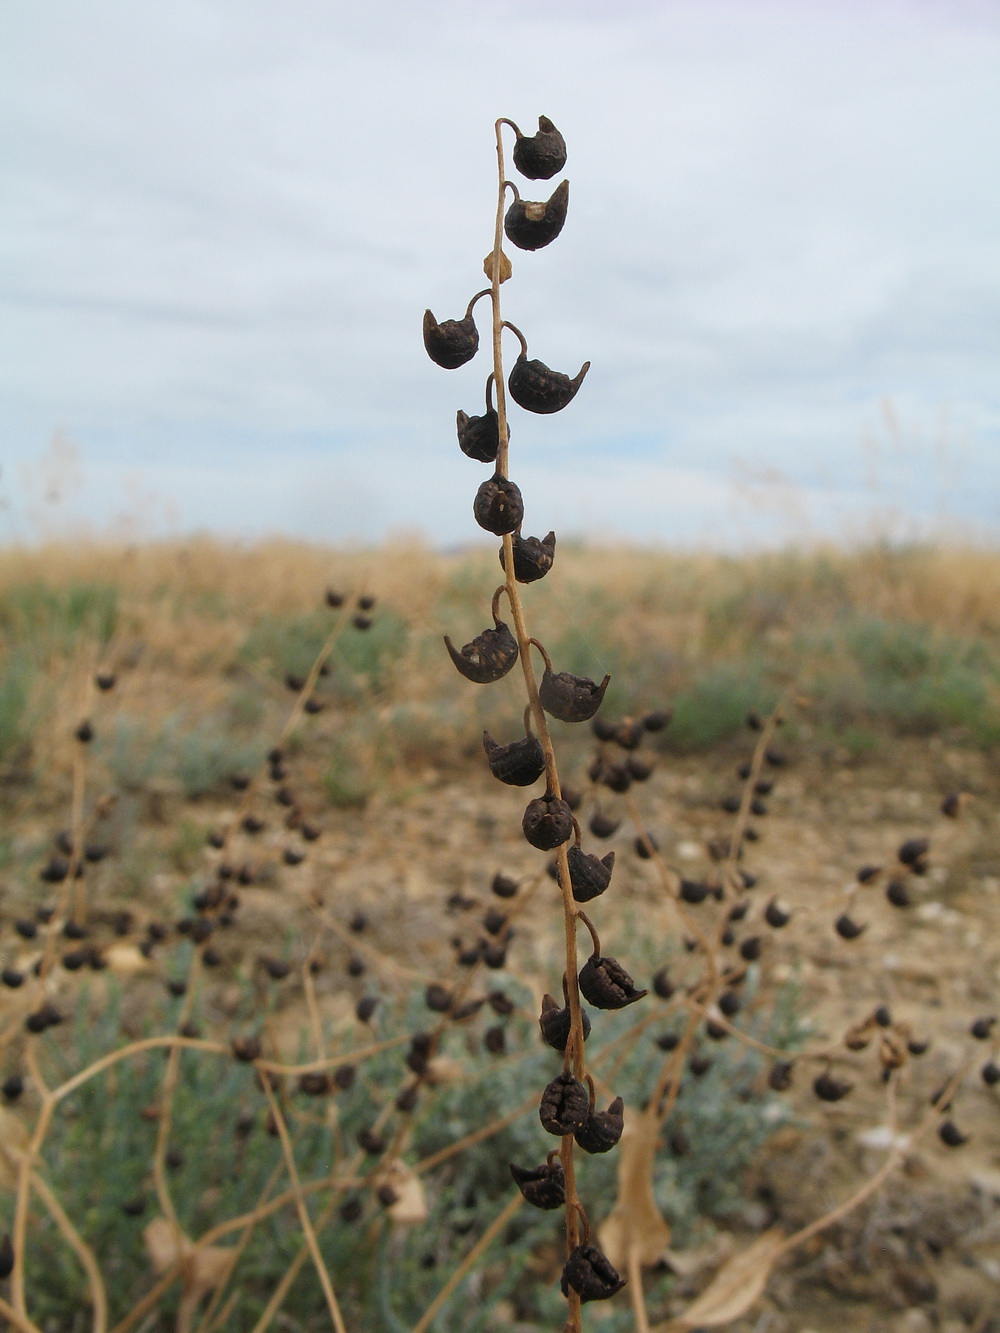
532,226
603,826
453,342
950,1134
518,764
591,1274
533,557
616,777
406,1098
105,680
668,1041
917,1048
847,928
437,998
570,698
830,1089
982,1028
498,506
606,984
750,948
658,720
693,891
565,1105
913,851
555,1023
662,985
495,1040
543,1186
12,1087
489,656
494,921
479,437
536,388
503,886
990,1074
315,1083
547,822
84,732
898,894
602,1129
640,769
730,1003
6,1257
371,1142
344,1077
11,977
588,876
501,1003
541,155
365,1008
775,915
780,1077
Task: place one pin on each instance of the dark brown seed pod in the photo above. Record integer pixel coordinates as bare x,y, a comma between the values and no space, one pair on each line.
365,1008
533,557
406,1098
656,721
730,1003
12,1087
603,826
668,1041
489,656
602,1129
555,1023
344,1077
371,1142
6,1257
498,506
105,680
532,226
542,1186
990,1074
639,769
453,342
503,886
570,698
982,1028
54,871
536,388
645,845
84,732
315,1083
437,998
588,876
775,915
830,1089
917,1048
662,985
693,891
951,806
518,764
541,155
898,894
565,1105
913,851
547,822
847,928
616,777
479,437
780,1077
591,1274
950,1134
494,921
606,984
495,1040
750,948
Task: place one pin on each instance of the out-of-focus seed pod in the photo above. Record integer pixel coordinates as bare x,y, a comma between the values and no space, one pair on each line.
917,1048
453,342
847,928
867,873
951,806
990,1073
345,1077
602,1129
750,948
542,1186
533,557
498,506
591,1274
518,764
588,876
693,891
84,732
315,1083
536,388
406,1098
606,984
779,1078
547,822
503,886
662,985
668,1041
54,871
333,598
6,1257
616,777
532,226
859,1035
494,953
570,698
371,1142
565,1105
134,1207
730,1003
603,826
603,729
12,1087
645,845
11,977
105,680
48,1016
494,921
365,1008
437,998
656,721
495,1040
982,1028
489,656
775,915
555,1023
830,1089
640,769
898,894
912,852
501,1003
950,1134
541,155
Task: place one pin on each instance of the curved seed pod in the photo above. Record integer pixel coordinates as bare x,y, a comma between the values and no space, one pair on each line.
531,226
519,764
606,984
588,876
536,388
602,1129
479,437
555,1023
533,557
591,1274
547,822
847,928
543,154
498,506
565,1105
779,1078
950,1134
570,698
489,656
453,342
775,915
830,1089
543,1186
603,826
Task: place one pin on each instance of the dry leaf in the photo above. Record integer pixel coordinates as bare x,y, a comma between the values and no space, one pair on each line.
505,266
13,1136
205,1266
635,1221
738,1284
411,1202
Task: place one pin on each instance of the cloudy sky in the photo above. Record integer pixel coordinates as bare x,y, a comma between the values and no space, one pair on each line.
221,221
